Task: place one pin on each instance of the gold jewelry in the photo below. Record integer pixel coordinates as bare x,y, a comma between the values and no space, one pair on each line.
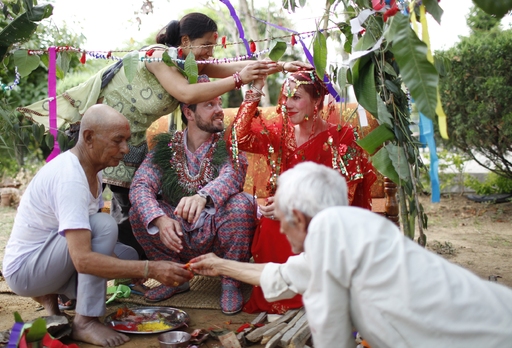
175,284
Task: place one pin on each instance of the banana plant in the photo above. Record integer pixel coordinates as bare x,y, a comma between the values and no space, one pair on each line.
24,25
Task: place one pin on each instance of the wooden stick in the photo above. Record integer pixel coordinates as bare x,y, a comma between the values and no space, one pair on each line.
257,334
287,337
300,338
271,332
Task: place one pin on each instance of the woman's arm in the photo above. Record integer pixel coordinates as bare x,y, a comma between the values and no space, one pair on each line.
177,85
223,70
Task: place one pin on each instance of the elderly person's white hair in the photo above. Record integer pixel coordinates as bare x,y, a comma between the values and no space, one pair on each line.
309,188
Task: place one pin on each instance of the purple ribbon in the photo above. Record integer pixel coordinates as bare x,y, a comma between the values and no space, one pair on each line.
14,337
52,96
309,56
238,25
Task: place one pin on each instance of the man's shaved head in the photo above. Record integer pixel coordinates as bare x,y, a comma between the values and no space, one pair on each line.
104,137
101,117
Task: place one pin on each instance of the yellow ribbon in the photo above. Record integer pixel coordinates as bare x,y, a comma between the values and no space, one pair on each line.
441,116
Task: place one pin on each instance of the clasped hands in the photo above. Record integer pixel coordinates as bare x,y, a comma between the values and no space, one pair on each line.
189,209
259,69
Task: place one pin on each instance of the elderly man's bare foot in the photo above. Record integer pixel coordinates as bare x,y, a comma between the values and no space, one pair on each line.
91,330
50,303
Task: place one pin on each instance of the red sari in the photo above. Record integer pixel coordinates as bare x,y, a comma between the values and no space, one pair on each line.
275,138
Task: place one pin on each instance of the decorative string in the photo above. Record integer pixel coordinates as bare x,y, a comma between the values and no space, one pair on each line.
14,84
238,24
110,54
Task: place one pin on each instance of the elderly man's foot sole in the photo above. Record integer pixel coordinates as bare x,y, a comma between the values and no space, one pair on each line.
162,292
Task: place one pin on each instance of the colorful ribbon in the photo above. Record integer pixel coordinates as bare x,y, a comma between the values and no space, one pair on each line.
238,25
309,56
427,137
52,94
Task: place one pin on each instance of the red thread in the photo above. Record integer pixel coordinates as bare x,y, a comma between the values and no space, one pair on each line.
293,40
82,58
223,42
252,46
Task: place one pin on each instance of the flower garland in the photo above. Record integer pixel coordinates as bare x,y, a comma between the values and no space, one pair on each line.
148,52
170,156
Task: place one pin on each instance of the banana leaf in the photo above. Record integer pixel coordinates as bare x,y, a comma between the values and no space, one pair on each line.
22,27
419,75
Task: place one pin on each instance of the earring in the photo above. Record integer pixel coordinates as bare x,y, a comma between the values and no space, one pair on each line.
306,117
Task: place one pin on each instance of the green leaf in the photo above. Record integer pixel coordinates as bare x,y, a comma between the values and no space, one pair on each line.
26,63
391,87
363,80
397,156
37,330
191,68
495,7
366,42
434,9
388,69
418,74
130,64
277,50
22,27
376,138
320,53
40,12
382,163
50,140
63,141
168,60
37,132
342,77
63,59
384,117
17,318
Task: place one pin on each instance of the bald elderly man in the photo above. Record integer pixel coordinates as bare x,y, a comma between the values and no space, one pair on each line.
60,242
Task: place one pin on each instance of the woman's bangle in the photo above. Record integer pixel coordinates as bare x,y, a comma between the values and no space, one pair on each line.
238,80
257,90
146,269
283,70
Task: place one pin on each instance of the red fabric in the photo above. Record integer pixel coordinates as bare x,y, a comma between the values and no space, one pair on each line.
269,245
274,137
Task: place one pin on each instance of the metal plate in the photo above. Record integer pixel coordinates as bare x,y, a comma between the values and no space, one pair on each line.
173,317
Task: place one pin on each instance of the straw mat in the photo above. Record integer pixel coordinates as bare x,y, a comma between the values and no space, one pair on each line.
204,294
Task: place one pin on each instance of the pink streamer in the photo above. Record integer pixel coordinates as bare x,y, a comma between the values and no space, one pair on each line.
52,97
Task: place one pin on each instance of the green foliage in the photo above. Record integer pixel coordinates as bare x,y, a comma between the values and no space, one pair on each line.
452,170
493,183
18,145
478,20
495,7
477,94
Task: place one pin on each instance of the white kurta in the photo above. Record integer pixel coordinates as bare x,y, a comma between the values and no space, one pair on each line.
365,274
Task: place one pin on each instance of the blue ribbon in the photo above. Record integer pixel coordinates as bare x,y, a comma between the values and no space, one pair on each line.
309,56
427,137
238,25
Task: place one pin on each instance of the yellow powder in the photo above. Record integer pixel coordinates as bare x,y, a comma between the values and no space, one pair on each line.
152,326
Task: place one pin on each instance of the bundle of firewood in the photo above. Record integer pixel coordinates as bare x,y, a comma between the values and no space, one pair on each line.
289,331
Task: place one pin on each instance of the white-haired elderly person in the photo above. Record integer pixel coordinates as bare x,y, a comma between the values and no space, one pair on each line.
355,269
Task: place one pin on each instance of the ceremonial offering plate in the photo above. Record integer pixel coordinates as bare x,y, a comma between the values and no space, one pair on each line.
146,320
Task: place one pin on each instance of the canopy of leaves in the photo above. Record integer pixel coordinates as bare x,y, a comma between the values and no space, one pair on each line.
477,95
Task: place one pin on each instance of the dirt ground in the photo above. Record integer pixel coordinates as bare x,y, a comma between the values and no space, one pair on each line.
476,236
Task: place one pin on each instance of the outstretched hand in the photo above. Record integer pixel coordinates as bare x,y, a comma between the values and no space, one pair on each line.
207,265
257,70
296,66
170,273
